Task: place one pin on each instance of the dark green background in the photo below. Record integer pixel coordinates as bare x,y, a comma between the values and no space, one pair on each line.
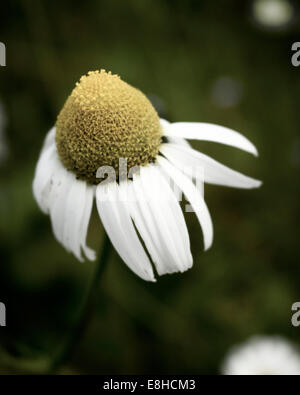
246,283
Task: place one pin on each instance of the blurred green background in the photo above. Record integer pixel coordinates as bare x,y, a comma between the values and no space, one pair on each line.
206,61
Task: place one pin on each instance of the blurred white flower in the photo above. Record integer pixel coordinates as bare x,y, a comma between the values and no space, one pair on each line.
3,143
272,13
226,92
263,355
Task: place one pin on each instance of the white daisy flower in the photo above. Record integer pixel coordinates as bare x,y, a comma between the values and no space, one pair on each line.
263,355
273,13
105,119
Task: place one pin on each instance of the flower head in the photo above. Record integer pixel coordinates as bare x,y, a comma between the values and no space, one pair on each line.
105,119
263,355
103,122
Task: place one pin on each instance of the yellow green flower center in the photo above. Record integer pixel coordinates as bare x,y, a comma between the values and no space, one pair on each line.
105,119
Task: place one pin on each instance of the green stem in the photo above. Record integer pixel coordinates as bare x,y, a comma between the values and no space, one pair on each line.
87,307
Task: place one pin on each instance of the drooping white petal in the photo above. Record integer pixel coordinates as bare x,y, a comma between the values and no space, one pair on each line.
160,222
48,164
213,171
89,198
172,139
210,132
114,214
194,196
66,199
169,206
164,124
179,141
146,226
50,138
70,211
77,212
61,182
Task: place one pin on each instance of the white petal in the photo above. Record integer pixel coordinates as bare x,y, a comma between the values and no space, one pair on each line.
89,198
179,141
61,182
210,132
69,201
117,222
163,227
77,211
172,139
169,205
47,165
50,138
213,171
164,124
193,196
146,226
